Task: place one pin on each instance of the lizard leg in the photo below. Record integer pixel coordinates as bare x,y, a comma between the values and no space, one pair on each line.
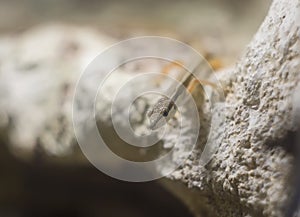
194,82
214,62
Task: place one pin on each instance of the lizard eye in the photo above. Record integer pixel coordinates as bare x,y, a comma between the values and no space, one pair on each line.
165,113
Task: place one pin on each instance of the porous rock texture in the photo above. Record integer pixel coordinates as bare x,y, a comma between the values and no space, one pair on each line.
249,174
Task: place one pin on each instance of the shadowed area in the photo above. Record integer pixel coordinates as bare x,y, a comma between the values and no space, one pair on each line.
41,189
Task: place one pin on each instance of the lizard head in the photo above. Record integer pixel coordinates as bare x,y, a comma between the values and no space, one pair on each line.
162,111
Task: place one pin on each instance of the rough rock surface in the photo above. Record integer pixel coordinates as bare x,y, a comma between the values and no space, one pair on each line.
249,173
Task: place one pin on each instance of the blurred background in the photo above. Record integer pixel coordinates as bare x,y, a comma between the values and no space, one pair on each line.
38,179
